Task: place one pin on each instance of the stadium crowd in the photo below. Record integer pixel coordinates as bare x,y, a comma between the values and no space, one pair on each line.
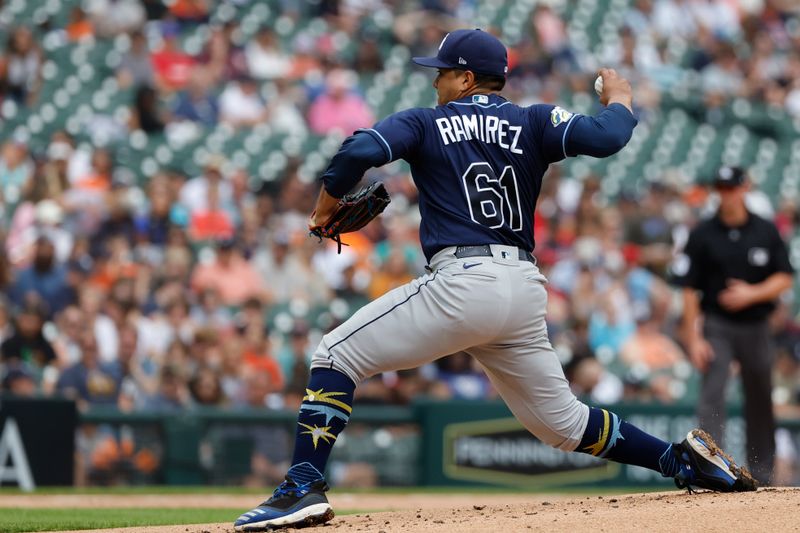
205,290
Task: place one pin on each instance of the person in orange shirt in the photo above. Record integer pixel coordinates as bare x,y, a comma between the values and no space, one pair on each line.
258,357
394,272
99,176
79,27
212,222
231,275
189,10
649,346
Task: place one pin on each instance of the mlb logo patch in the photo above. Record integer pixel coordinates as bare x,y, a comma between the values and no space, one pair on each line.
559,116
480,99
758,256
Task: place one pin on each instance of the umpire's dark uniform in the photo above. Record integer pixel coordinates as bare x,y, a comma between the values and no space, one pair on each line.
716,256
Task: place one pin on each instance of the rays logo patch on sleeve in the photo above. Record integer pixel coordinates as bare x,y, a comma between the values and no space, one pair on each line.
559,116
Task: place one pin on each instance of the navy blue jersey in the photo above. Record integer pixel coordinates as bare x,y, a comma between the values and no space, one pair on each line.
478,163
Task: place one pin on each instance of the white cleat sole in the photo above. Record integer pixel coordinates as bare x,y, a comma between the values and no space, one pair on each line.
709,451
312,515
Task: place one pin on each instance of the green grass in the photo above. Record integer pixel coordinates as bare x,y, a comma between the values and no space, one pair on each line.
26,519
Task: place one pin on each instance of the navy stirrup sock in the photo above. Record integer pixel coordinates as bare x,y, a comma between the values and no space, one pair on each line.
323,415
612,438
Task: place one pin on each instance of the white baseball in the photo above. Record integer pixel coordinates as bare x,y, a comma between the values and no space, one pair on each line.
598,85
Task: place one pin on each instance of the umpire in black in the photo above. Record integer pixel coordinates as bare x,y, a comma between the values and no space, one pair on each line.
735,265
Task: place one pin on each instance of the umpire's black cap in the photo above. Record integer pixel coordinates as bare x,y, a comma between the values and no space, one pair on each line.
474,50
729,177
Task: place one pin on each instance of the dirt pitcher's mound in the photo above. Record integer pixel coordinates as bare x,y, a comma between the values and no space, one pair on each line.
771,510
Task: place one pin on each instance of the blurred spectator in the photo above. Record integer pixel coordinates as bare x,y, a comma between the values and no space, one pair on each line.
305,60
718,16
153,225
649,347
650,230
118,222
287,274
190,10
211,222
459,372
265,59
173,393
80,27
240,103
16,173
70,325
210,313
231,275
196,103
136,66
673,18
20,71
99,174
112,17
393,272
611,324
295,359
723,77
6,328
257,356
223,58
206,388
171,65
146,115
45,278
552,36
194,195
90,382
368,57
339,108
98,324
590,379
27,348
19,382
283,109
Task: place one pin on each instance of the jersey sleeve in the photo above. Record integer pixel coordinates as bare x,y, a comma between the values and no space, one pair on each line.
400,134
551,125
685,270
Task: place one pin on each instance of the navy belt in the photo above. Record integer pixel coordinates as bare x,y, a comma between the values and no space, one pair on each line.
484,250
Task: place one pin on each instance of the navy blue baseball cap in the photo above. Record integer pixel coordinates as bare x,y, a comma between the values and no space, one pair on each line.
474,50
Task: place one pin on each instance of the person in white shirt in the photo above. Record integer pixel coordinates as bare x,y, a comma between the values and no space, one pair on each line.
240,104
194,193
265,59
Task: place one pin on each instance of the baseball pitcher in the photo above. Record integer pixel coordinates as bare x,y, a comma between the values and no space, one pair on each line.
478,161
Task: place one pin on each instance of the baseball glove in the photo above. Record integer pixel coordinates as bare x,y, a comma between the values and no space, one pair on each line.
353,212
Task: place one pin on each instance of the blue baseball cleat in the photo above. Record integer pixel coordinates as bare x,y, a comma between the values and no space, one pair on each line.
291,505
706,466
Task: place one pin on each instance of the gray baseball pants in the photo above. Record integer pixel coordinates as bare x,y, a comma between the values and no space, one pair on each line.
751,345
492,308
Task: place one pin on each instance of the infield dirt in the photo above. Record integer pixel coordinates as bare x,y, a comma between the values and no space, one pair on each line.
768,510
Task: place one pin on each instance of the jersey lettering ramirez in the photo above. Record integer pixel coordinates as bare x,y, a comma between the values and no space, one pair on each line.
478,163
